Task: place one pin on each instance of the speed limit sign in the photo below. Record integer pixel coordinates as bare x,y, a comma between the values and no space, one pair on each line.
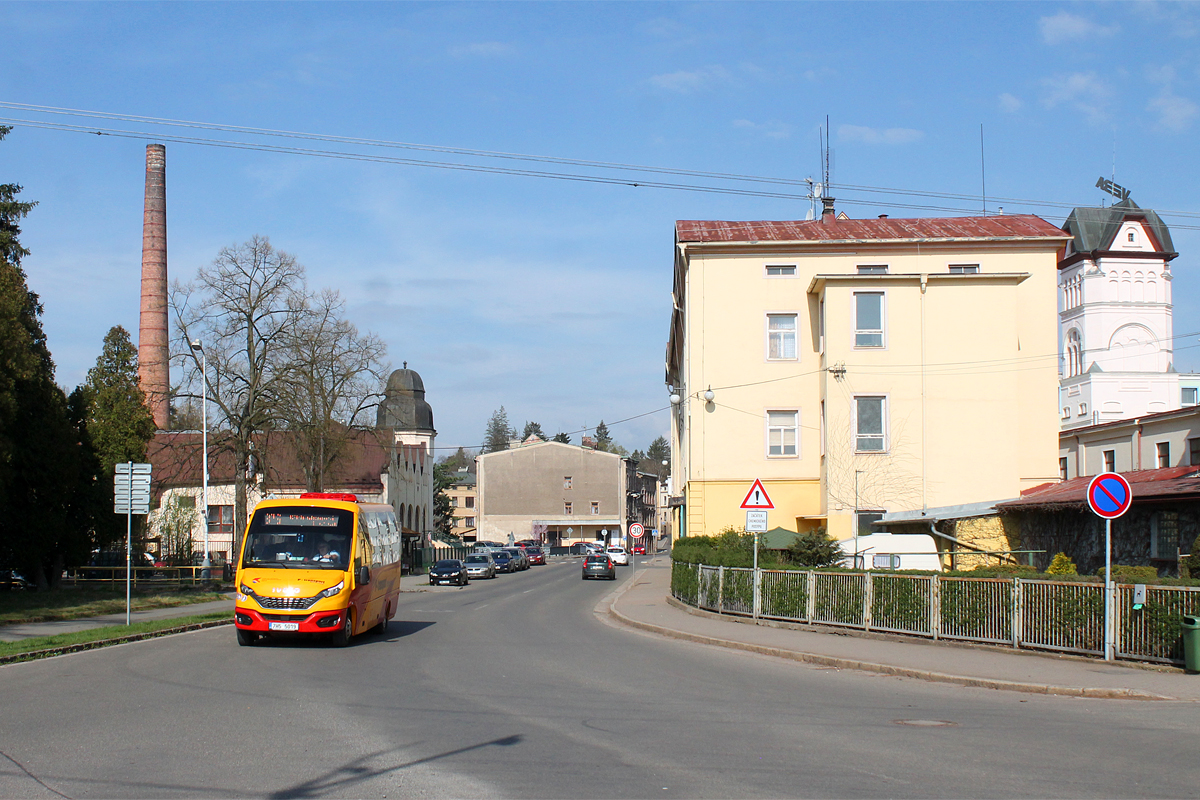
636,530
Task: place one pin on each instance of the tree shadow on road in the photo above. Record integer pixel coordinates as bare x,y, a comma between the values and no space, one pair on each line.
337,782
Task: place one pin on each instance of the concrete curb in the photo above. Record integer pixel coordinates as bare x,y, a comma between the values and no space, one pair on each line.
34,655
883,669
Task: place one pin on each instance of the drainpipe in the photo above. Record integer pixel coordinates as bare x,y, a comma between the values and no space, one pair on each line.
1138,443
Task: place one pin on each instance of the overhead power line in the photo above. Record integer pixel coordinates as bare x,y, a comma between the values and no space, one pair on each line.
851,199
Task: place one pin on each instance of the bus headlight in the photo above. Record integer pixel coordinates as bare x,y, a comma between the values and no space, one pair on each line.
332,590
246,590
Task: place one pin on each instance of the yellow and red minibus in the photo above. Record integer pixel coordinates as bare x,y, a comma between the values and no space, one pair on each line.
320,564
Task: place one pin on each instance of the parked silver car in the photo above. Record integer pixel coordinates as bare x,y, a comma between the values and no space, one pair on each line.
480,565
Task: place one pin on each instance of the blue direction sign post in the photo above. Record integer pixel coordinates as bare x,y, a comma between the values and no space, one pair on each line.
1109,496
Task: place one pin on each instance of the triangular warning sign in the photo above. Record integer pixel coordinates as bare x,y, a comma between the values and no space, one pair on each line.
757,497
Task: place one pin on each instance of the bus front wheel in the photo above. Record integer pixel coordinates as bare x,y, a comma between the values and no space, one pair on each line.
342,637
246,638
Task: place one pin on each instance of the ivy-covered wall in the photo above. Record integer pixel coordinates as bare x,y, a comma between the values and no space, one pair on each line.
1080,534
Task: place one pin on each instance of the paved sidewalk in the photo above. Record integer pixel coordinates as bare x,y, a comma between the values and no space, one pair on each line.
645,604
15,633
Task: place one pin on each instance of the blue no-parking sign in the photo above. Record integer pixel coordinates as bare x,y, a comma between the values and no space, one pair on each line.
1109,495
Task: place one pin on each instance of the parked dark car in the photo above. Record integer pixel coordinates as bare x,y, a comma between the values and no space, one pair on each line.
448,570
504,561
518,557
599,566
10,579
535,556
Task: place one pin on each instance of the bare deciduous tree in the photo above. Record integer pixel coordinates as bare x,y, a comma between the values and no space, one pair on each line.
332,376
243,309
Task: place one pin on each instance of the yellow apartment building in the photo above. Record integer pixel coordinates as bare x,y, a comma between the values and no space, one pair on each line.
859,367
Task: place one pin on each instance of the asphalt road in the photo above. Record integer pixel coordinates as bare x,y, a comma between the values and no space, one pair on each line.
516,687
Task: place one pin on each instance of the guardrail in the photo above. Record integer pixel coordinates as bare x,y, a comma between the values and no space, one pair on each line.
1018,612
147,576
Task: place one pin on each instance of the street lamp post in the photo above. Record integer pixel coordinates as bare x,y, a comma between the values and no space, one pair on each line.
205,565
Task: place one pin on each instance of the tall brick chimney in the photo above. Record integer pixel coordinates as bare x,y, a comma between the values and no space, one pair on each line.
153,351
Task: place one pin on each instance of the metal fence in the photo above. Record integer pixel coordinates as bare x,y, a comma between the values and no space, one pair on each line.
147,576
1062,616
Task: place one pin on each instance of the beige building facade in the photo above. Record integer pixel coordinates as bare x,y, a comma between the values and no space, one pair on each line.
859,367
463,504
560,493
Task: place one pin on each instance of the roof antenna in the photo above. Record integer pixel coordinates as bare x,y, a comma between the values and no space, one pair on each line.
982,169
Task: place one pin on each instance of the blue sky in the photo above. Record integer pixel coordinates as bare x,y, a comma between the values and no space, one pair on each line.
551,297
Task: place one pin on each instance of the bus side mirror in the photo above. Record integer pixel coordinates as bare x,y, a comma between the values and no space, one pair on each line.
364,576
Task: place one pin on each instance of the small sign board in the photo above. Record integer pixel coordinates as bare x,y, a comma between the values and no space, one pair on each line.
757,497
756,521
1109,495
131,488
636,530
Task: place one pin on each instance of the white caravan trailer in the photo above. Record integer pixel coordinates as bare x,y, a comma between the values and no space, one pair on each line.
891,551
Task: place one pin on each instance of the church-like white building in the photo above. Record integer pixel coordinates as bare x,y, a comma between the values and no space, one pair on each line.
1114,289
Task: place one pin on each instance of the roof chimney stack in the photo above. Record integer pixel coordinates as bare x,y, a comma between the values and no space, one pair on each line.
827,212
153,351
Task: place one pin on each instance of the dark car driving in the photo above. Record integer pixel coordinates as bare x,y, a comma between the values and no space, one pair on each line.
599,566
448,570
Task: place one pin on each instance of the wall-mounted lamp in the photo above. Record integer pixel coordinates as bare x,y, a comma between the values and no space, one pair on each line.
708,394
676,399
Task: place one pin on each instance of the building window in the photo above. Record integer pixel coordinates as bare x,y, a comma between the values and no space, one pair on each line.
1131,237
1193,452
1110,460
595,508
1066,412
566,508
220,520
1083,409
1187,396
1074,365
1164,535
868,319
1164,454
469,502
470,521
567,482
869,427
453,502
872,269
782,433
781,336
864,521
781,270
964,269
1062,469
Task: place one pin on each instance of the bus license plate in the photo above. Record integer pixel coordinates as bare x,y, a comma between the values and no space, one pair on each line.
284,626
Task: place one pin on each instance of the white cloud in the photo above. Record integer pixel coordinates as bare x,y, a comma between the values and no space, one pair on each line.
483,50
1175,113
858,133
1082,92
770,130
1010,103
686,82
1066,27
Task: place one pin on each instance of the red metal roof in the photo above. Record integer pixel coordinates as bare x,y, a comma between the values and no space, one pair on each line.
1147,484
1014,226
176,459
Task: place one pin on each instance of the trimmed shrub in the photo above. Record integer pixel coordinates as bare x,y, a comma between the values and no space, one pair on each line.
814,549
1062,565
1131,574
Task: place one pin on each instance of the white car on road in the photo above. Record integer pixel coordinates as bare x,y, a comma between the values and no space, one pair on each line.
619,556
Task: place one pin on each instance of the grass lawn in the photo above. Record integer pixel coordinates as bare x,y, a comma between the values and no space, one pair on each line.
18,607
102,634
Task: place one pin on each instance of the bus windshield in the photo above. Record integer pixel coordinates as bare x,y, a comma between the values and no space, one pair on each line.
299,537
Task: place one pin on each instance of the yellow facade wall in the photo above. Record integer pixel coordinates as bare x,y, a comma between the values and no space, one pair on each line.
969,372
